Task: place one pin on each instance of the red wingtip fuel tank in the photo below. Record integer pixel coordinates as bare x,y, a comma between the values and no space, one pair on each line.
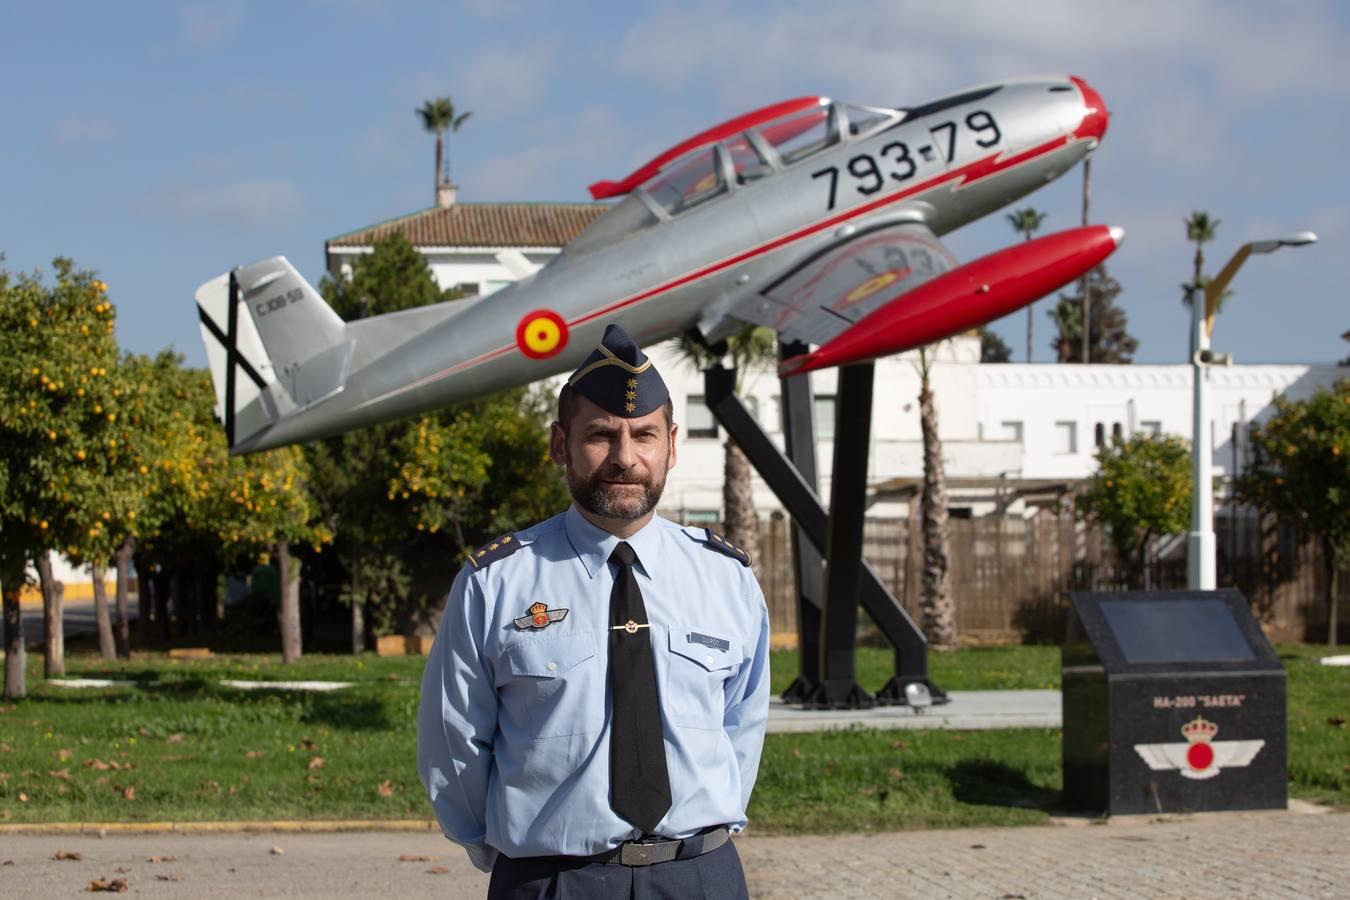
966,297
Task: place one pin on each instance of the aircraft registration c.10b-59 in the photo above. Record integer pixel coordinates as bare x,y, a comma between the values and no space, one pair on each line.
816,218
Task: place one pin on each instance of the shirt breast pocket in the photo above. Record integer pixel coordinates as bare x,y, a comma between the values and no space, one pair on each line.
699,665
549,687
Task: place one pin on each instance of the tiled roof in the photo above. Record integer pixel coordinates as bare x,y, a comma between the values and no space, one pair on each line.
483,225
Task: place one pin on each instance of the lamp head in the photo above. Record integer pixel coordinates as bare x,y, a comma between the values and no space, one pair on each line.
1296,239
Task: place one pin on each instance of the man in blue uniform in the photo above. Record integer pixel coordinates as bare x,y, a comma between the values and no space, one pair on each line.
593,709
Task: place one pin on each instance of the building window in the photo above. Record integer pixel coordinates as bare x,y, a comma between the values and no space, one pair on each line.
1066,438
1098,435
1117,432
1150,426
699,421
467,288
1011,431
824,417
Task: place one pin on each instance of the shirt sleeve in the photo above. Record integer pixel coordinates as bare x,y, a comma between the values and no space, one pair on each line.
456,722
747,697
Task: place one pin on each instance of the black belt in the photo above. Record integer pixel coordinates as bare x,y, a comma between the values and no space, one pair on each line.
651,851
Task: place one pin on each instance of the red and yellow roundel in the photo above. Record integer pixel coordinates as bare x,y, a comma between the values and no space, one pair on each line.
541,334
873,284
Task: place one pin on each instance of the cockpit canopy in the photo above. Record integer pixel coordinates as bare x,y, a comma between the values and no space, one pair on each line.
722,159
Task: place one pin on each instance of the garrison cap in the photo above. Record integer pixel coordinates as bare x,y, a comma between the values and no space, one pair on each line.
619,378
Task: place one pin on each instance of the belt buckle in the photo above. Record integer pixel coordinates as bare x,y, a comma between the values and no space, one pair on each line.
635,854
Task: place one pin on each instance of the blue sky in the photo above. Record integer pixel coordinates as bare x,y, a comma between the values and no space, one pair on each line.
162,143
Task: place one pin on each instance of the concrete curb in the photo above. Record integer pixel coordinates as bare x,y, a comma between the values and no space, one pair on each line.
284,826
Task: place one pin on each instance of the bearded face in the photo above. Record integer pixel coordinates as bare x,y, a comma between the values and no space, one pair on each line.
615,467
615,493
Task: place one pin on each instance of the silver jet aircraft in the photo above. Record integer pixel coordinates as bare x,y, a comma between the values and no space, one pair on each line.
817,218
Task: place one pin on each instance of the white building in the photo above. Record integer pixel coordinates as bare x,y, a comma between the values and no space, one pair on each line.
1007,423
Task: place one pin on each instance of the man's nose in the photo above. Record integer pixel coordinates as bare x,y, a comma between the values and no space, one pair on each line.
623,452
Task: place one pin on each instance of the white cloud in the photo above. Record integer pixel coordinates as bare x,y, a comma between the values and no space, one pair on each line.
252,200
83,129
205,26
506,79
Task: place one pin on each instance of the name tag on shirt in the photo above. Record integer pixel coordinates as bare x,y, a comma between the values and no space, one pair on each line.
709,641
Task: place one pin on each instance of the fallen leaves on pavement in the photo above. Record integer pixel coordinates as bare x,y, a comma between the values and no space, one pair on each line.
161,859
68,854
277,851
116,886
168,877
438,870
409,857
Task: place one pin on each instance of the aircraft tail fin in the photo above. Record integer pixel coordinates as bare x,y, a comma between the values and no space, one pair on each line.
274,345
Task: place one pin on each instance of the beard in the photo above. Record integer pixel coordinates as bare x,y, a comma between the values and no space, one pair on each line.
599,496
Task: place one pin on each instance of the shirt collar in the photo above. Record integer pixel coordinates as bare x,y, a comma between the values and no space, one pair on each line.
593,544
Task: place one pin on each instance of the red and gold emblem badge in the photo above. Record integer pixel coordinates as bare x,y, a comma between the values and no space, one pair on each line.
541,334
540,616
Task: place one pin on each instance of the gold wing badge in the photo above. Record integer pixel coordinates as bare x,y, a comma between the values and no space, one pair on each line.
540,617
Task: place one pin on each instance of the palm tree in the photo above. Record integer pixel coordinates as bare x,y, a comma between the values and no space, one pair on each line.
437,116
1027,221
935,601
1200,230
751,347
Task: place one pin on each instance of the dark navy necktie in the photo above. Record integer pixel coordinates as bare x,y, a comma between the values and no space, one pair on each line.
639,782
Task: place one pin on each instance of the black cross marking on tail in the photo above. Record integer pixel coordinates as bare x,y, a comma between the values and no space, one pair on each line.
233,357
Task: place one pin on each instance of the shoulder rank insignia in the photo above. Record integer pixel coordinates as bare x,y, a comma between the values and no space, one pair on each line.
717,542
492,551
540,616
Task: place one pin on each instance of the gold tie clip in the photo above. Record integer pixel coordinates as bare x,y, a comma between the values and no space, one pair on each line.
630,626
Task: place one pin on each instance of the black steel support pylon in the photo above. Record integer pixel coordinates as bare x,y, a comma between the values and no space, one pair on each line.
808,565
803,504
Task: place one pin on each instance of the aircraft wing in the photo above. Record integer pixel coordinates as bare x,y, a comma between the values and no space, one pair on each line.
829,290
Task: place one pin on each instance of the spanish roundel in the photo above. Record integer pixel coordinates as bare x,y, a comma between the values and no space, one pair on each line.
541,334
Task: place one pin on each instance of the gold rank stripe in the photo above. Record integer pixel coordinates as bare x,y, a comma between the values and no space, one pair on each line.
609,360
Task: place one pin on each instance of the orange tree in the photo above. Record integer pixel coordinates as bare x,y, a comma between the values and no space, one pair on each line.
1142,490
61,440
1300,471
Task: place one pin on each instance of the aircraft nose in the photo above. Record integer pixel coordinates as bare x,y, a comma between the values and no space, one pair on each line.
1095,117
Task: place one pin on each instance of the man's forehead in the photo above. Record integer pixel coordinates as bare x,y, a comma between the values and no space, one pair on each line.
590,416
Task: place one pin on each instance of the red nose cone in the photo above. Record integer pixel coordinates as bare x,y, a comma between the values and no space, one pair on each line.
1096,116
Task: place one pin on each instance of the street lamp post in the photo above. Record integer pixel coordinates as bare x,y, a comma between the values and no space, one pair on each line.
1200,543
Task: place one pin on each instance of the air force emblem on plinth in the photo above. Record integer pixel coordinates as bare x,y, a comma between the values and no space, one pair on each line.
1201,756
540,616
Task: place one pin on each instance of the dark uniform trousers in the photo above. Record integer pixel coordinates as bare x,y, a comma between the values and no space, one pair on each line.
713,876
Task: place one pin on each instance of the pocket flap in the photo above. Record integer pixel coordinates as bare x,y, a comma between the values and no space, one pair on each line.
549,658
710,649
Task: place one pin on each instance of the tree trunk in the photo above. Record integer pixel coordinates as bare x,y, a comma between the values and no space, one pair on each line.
53,605
102,620
145,598
288,572
14,649
121,629
738,498
439,152
358,626
939,614
1087,296
163,590
1333,590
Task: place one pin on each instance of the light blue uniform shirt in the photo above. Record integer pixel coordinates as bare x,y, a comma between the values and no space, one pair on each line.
514,725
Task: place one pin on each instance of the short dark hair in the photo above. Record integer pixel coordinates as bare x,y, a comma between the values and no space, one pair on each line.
567,407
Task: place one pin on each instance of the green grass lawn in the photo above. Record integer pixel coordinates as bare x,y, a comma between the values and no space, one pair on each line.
190,749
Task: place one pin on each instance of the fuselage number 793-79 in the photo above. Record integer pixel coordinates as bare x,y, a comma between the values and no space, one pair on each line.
868,176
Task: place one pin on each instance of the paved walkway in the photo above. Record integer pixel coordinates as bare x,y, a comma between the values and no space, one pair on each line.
1242,855
967,710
